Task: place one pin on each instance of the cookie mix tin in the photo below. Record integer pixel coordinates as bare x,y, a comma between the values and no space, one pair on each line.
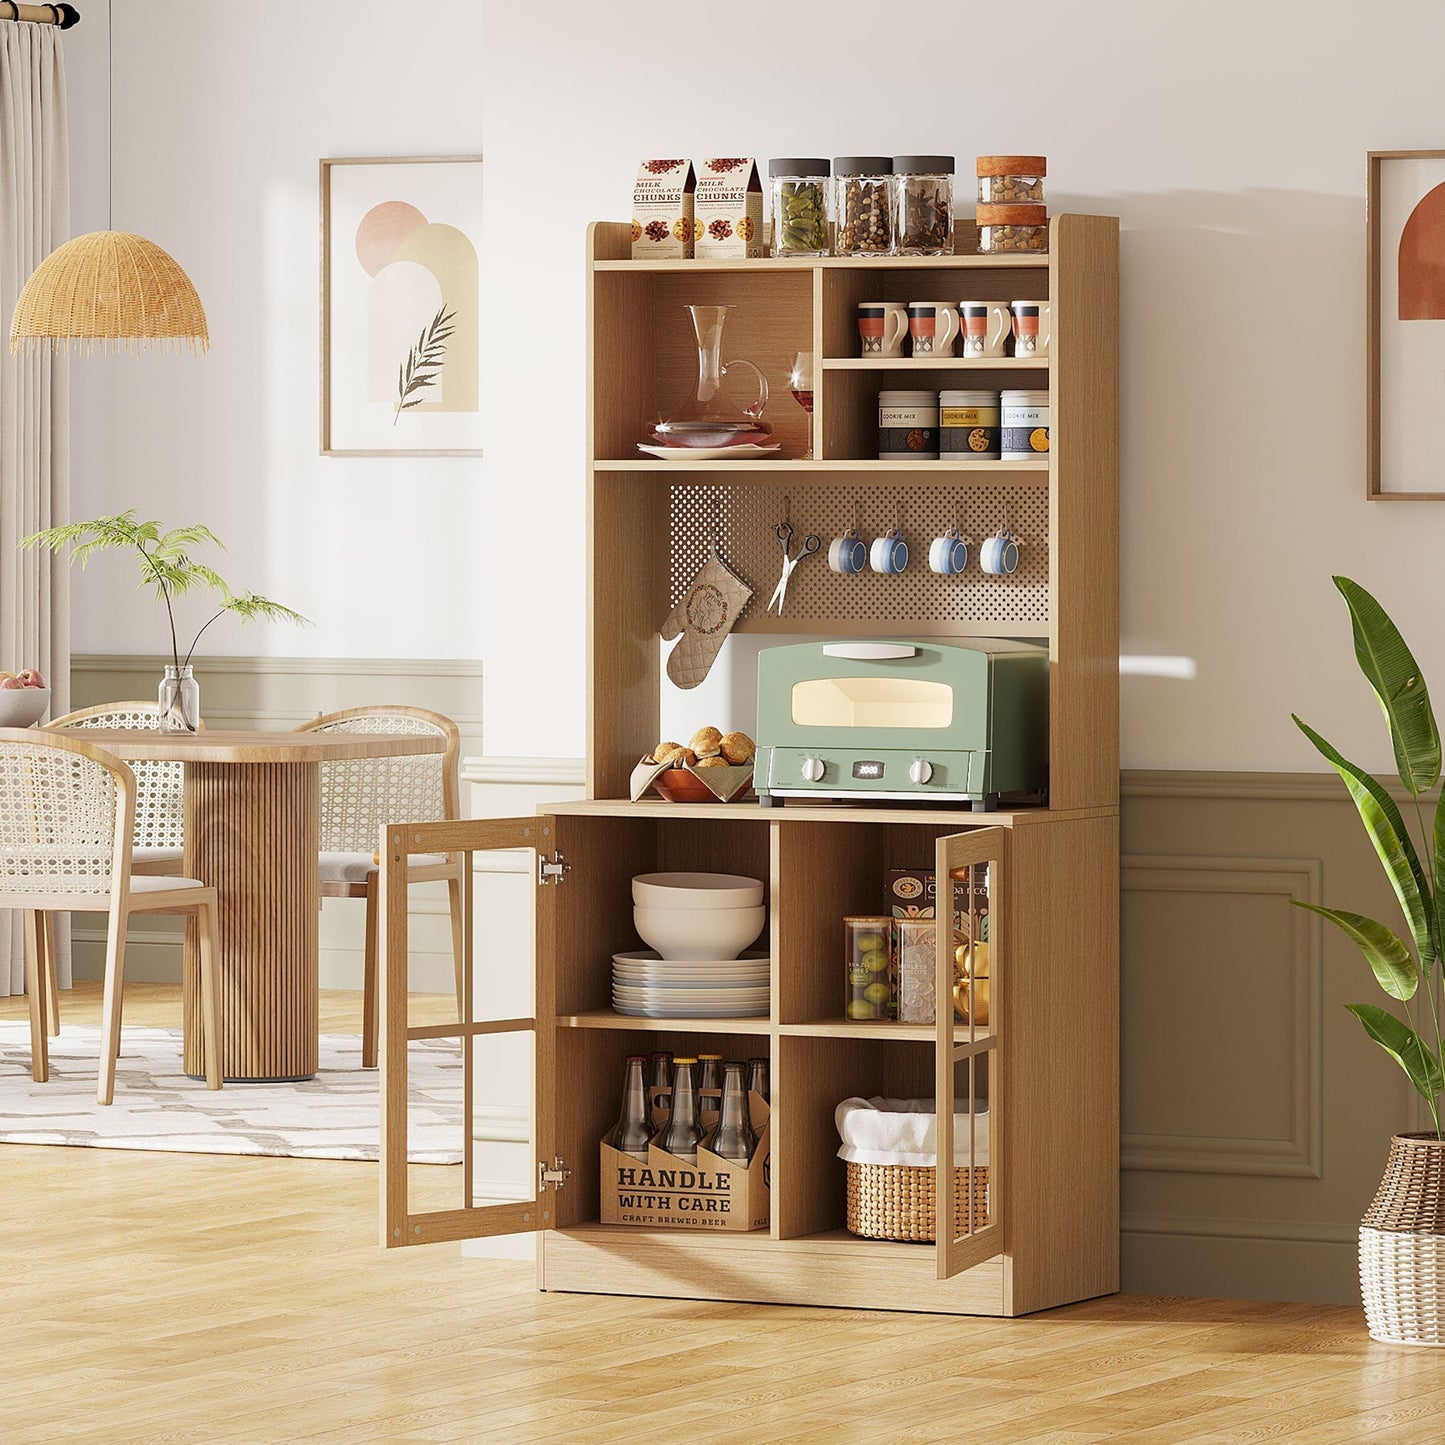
969,425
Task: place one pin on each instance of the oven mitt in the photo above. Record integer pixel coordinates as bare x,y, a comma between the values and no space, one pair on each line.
713,603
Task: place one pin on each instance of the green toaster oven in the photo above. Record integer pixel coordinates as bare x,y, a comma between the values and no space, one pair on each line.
946,722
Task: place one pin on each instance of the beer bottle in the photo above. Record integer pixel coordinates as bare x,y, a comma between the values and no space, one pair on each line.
733,1138
758,1078
680,1135
633,1129
659,1077
709,1083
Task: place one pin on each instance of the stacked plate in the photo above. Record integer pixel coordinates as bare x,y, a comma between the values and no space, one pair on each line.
647,986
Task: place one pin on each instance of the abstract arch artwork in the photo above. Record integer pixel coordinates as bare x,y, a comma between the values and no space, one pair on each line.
401,323
1422,260
1404,348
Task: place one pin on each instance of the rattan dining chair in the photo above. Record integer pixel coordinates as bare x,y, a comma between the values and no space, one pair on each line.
158,845
361,796
67,814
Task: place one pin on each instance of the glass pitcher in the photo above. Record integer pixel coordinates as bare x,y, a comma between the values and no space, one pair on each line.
711,418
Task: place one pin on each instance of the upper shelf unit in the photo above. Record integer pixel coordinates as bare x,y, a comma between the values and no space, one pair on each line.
655,520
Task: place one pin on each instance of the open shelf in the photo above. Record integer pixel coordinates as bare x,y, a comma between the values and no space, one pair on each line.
1030,261
1015,473
934,363
841,1028
606,1019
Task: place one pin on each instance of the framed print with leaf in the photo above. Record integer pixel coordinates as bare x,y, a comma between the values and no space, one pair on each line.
400,320
1406,336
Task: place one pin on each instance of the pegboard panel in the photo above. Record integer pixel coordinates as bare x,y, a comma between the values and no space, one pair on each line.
742,518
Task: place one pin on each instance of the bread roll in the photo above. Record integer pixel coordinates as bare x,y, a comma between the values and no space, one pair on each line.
684,758
737,748
716,761
705,742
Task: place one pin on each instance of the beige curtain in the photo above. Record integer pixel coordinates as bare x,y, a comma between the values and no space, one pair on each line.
34,389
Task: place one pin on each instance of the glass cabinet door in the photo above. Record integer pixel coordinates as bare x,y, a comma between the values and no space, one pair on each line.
971,869
425,1203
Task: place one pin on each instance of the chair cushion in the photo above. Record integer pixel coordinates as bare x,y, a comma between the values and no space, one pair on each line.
147,883
151,856
357,867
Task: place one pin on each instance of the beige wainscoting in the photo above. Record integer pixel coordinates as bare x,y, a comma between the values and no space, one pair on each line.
1255,1115
280,692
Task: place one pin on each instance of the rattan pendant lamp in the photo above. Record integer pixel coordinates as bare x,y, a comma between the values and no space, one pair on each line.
109,289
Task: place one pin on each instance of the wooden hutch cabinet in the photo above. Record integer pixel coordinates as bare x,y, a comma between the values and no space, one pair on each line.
1047,1063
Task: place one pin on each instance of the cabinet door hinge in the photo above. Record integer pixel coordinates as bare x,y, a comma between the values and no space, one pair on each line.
557,1174
553,869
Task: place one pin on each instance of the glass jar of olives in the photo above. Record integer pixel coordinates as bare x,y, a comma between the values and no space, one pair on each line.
870,961
799,188
863,206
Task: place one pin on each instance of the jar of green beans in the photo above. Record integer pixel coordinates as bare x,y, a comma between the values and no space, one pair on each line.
800,206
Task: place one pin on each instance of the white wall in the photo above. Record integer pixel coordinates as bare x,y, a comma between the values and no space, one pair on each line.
1232,146
221,115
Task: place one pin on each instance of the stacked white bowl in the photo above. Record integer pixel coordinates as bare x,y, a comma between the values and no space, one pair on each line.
698,924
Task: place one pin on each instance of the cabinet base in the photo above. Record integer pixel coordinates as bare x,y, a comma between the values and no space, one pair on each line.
835,1269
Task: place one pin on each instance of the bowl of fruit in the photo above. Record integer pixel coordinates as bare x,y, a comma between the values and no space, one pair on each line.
23,698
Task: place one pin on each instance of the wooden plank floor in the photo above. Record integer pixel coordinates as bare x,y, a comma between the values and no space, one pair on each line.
173,1297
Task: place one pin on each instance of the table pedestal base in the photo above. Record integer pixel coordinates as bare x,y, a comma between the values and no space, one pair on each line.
252,834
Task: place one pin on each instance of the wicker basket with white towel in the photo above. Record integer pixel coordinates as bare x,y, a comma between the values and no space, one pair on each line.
890,1147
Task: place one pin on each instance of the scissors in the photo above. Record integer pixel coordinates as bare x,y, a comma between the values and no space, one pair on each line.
783,531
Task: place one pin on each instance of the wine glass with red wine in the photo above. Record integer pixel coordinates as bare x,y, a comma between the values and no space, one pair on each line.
800,380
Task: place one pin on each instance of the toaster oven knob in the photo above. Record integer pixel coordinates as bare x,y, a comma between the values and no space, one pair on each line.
920,770
813,770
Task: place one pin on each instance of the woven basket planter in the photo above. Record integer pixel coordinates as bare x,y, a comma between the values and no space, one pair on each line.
899,1201
1402,1246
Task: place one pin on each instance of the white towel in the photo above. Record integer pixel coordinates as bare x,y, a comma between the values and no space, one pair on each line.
904,1131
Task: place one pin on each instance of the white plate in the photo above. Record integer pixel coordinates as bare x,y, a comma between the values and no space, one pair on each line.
690,995
652,958
707,454
717,975
717,985
699,1013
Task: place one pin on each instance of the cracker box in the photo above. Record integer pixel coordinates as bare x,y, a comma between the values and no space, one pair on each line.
913,893
728,216
662,211
668,1193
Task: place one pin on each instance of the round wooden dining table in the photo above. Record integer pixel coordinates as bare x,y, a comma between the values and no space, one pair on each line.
252,827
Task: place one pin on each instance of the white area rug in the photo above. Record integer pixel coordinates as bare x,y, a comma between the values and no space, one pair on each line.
333,1116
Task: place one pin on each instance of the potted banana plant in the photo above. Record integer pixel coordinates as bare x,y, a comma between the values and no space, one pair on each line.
169,569
1402,1236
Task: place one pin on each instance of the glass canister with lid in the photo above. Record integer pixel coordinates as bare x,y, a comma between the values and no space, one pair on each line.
1021,228
799,188
923,200
1011,180
863,206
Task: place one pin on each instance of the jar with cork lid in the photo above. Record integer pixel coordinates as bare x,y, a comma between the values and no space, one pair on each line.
1011,214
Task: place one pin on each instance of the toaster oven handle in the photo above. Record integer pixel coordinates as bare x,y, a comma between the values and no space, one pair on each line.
869,651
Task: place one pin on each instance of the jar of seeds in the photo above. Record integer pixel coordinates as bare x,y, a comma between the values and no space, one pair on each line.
1011,180
863,206
917,970
800,206
923,196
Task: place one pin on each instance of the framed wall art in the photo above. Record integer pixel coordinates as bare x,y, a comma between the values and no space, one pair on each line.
1406,336
400,317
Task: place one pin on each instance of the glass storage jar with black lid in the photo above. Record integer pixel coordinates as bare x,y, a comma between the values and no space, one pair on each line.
863,206
923,201
799,187
1011,180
